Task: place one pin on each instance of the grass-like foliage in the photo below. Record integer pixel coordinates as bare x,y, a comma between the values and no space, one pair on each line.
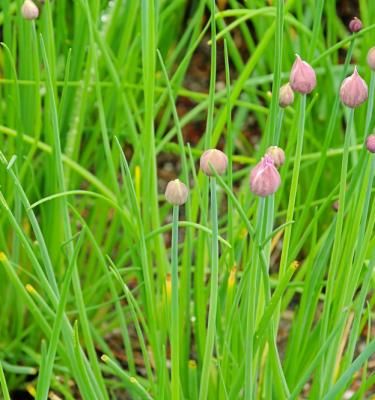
242,282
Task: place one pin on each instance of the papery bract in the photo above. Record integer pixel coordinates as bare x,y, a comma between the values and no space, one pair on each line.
176,192
29,10
353,90
215,159
277,154
286,95
264,178
302,76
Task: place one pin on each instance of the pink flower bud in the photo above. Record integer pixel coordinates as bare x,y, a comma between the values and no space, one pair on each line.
29,10
370,143
277,154
264,178
302,77
353,91
371,58
215,159
355,25
335,206
286,96
176,192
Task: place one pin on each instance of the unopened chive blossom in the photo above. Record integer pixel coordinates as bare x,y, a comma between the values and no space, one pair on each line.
264,177
286,95
215,159
353,91
370,143
277,154
176,192
302,76
355,25
371,58
29,10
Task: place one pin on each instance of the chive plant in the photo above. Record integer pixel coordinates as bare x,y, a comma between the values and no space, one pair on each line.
269,292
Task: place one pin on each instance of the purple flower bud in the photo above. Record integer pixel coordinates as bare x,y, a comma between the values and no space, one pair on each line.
215,159
277,154
371,58
353,91
176,192
370,143
264,178
286,96
355,25
302,77
29,10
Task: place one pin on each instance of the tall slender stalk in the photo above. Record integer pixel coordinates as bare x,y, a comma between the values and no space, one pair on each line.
294,185
211,330
175,341
337,246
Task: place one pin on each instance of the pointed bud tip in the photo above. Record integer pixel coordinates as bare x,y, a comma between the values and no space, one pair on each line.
302,76
264,177
353,90
286,95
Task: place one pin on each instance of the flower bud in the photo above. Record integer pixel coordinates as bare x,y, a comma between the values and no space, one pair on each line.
215,159
286,96
355,25
335,206
353,91
264,178
302,77
371,58
176,192
29,10
370,143
277,154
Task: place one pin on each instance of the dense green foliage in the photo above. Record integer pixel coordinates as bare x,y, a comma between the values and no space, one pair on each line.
275,294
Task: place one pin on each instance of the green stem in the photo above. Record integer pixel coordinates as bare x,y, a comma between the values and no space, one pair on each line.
211,330
3,384
251,300
175,342
294,185
337,245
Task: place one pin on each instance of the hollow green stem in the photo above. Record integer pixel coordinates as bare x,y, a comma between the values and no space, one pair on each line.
337,245
294,185
211,330
175,342
3,383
